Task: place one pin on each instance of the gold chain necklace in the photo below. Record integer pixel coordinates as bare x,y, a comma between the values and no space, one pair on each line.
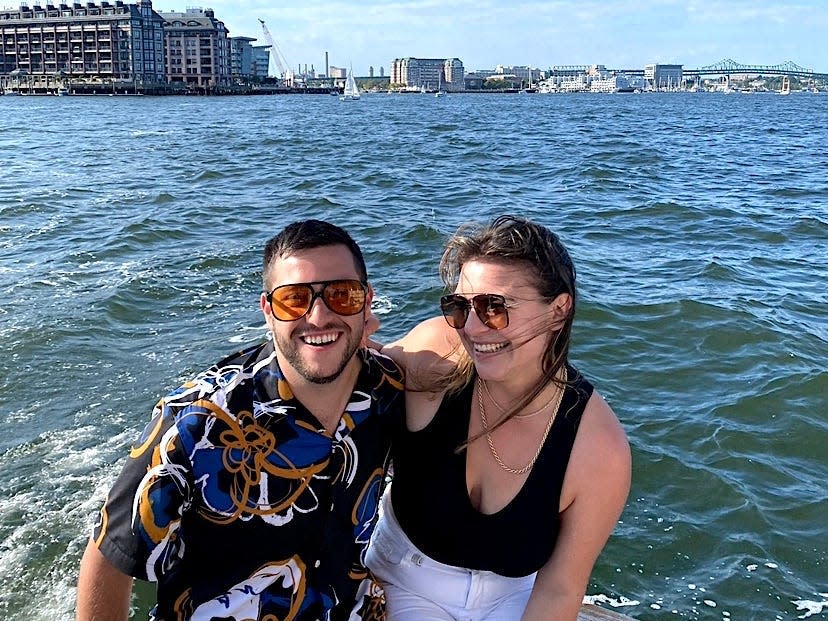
502,411
492,449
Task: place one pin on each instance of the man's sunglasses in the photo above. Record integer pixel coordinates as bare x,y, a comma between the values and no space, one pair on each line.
490,308
291,302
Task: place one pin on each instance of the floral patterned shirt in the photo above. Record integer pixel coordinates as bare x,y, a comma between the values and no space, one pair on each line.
239,504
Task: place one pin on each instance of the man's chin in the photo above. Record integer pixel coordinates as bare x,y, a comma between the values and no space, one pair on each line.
318,379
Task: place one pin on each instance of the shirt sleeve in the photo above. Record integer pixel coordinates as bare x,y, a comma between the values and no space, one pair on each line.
140,519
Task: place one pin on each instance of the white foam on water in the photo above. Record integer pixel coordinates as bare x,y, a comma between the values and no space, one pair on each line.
811,607
605,599
383,305
246,338
47,519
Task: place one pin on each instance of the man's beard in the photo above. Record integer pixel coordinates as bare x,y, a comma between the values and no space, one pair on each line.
291,354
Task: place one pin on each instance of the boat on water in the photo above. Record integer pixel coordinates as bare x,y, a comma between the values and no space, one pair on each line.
351,91
786,86
440,92
62,92
8,92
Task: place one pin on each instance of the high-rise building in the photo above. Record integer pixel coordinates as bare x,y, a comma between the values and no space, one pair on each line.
241,57
261,61
428,73
197,48
110,41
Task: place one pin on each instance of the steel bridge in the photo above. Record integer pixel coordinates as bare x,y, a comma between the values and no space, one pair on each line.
730,67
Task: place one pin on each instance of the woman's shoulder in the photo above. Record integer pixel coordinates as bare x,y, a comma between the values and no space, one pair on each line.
601,445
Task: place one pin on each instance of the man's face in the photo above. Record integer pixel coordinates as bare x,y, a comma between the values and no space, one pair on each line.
319,345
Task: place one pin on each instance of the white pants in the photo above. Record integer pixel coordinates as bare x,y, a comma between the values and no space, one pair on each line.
418,588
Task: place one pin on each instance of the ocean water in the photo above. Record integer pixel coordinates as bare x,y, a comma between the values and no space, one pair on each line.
131,231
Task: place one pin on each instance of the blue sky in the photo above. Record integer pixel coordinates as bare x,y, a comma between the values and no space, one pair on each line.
541,33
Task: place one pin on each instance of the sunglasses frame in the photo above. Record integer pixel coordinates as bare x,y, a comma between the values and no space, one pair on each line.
480,302
318,294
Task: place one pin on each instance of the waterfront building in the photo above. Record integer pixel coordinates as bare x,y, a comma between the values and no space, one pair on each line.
261,61
197,49
241,57
523,73
663,77
610,84
428,73
473,81
338,73
567,72
110,42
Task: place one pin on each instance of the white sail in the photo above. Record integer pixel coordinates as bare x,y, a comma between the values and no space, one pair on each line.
351,92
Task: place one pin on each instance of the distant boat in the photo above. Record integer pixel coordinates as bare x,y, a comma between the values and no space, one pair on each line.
786,86
9,92
530,88
440,92
351,92
62,92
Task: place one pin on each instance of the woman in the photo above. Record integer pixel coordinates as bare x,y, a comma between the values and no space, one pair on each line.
512,471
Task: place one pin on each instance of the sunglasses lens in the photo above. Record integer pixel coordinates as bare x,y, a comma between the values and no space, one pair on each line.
344,297
290,302
491,309
455,309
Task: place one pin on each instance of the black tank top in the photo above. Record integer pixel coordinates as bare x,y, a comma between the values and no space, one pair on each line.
432,505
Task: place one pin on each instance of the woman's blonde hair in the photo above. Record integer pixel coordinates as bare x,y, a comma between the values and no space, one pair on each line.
515,240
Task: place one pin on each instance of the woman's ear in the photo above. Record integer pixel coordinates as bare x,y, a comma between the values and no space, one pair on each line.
561,306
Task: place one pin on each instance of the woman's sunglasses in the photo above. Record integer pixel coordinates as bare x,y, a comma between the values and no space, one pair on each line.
291,302
490,308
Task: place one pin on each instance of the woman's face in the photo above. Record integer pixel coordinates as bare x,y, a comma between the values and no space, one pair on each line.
516,351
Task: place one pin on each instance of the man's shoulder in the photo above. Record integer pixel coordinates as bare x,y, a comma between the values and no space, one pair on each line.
225,376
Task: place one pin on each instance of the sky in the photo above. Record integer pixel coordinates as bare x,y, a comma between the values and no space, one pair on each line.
620,34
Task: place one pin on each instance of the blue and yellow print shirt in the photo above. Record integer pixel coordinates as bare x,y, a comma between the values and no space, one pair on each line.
240,506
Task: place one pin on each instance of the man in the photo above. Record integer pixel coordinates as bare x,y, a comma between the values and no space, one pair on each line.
252,492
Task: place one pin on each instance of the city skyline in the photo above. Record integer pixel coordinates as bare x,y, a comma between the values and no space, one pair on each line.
620,34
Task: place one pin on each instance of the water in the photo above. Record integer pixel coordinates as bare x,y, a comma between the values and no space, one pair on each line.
130,237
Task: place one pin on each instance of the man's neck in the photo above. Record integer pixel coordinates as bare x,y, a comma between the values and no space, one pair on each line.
325,401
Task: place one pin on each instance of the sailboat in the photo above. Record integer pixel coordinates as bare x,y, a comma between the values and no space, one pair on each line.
530,88
440,92
786,86
351,92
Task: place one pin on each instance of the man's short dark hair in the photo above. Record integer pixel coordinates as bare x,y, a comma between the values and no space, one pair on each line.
306,235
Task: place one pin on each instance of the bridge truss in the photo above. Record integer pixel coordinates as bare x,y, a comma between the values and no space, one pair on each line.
731,67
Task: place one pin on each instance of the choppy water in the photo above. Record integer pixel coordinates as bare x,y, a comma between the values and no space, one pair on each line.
130,239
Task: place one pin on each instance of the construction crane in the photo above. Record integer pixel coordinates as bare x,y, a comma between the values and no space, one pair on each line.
277,56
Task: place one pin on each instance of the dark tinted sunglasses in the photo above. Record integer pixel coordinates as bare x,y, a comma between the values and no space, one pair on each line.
490,308
291,302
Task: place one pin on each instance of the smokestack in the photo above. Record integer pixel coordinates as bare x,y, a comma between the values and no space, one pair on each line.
327,71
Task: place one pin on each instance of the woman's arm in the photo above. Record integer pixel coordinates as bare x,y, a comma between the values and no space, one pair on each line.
595,490
429,350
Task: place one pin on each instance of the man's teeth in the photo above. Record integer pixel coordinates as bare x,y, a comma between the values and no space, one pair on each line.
488,348
320,339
